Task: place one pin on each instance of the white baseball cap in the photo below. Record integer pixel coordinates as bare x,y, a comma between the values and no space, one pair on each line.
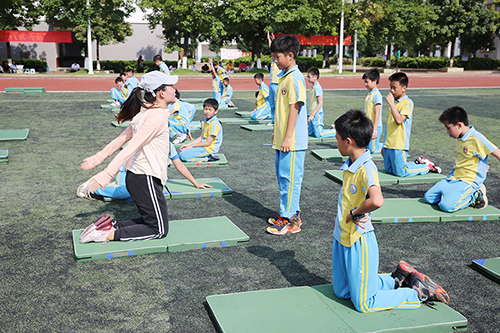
152,80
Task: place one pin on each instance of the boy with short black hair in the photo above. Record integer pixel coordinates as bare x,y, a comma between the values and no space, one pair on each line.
131,81
355,256
398,130
373,108
315,119
290,134
117,93
207,145
227,94
159,62
262,108
464,185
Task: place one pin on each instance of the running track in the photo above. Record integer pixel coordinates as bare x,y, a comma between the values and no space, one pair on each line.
202,83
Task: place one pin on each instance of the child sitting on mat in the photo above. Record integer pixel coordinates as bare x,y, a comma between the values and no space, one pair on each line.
147,136
464,185
262,109
179,120
118,94
355,256
118,190
315,124
227,94
207,145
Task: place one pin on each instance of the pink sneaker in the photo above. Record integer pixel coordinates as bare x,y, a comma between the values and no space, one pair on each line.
98,236
102,223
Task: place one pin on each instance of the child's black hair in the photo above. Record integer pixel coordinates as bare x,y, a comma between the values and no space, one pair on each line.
259,76
225,79
128,70
177,94
256,94
211,102
399,77
355,124
313,71
373,74
215,63
286,44
118,79
122,74
454,115
157,57
132,105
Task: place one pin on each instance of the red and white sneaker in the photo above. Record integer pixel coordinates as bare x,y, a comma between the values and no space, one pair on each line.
99,236
103,223
432,166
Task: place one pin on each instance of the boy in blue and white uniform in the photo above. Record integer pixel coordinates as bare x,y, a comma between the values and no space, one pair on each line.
117,94
227,94
355,255
163,66
207,145
464,185
131,82
373,108
290,134
315,119
179,120
398,130
262,109
216,81
273,74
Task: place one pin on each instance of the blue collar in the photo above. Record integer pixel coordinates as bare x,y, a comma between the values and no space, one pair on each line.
283,73
353,167
467,134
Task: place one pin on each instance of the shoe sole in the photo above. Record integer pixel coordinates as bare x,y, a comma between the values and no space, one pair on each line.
100,221
81,193
406,268
273,221
435,289
283,232
485,198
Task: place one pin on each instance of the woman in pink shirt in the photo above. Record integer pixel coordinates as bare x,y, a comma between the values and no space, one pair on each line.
148,142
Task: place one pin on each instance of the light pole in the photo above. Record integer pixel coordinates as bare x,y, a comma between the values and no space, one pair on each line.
341,39
89,45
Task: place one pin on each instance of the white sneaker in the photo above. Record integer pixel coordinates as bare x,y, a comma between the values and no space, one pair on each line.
270,123
98,236
181,137
115,104
83,191
102,223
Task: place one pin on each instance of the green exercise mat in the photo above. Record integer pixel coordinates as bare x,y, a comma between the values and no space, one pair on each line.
241,121
388,179
106,106
182,235
245,114
4,156
417,210
34,90
315,139
334,155
317,309
14,134
194,99
258,128
222,161
490,267
116,124
110,101
14,91
184,189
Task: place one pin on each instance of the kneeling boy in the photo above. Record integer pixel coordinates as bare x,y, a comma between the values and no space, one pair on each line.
262,109
355,256
464,185
206,147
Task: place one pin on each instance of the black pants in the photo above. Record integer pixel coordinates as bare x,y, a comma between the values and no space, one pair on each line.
147,194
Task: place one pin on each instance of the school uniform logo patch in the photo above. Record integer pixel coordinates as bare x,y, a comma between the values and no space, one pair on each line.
283,91
466,150
353,188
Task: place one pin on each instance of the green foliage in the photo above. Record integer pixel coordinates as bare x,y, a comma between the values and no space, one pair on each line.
474,63
40,65
19,13
304,63
119,66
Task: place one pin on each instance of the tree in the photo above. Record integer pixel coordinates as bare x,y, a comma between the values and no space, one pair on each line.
107,19
18,13
184,23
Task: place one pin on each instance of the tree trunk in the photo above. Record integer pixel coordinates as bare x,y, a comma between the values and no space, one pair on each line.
98,67
9,51
388,56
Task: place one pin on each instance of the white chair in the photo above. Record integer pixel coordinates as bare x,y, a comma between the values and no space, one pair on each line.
32,71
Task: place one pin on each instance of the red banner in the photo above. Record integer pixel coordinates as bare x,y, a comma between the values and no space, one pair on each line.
35,36
320,40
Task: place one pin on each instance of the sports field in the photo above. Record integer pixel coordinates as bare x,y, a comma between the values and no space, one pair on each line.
43,289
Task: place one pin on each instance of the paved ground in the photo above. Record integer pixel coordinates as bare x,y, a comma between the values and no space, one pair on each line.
418,79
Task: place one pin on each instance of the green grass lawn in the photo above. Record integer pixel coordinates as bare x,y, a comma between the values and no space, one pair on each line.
43,289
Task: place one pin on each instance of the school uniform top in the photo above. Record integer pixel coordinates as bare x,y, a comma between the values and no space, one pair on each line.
216,84
213,127
164,68
147,136
228,91
131,83
315,92
181,112
470,166
291,90
221,73
273,73
398,136
263,96
358,178
373,98
190,108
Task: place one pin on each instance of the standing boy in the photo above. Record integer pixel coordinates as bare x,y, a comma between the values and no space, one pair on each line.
315,119
355,255
227,94
216,81
398,130
464,185
159,62
207,146
290,134
262,109
373,108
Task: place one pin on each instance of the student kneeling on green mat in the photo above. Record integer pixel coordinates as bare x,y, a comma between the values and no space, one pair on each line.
464,185
355,256
147,136
207,145
118,190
